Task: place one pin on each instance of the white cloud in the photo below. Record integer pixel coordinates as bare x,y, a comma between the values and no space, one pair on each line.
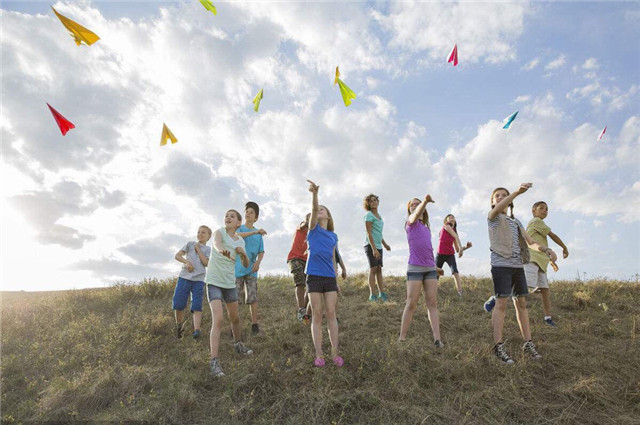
522,99
556,63
531,64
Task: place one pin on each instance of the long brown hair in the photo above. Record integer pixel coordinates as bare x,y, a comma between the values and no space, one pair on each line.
330,224
424,219
494,192
455,225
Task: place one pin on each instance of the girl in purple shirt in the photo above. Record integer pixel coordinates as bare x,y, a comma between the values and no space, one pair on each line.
421,271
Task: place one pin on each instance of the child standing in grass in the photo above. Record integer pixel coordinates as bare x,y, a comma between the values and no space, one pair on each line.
448,246
247,277
322,285
297,261
422,273
191,280
536,270
373,243
221,286
509,244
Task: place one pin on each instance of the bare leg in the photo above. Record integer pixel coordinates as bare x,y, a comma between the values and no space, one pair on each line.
372,281
413,294
254,312
456,278
523,317
197,320
497,318
300,296
430,296
234,317
330,301
316,321
381,286
546,301
179,316
216,327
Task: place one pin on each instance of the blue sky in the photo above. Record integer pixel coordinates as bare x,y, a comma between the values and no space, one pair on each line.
106,203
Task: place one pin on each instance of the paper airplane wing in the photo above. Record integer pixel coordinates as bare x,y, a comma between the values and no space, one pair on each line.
209,6
509,120
453,55
167,134
63,124
79,33
604,130
335,80
256,101
346,92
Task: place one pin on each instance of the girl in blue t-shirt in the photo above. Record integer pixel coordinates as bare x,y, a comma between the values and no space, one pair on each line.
322,285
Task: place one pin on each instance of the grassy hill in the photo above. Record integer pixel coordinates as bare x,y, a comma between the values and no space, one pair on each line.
110,355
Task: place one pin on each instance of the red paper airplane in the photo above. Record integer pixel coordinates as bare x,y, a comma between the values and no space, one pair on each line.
453,56
64,124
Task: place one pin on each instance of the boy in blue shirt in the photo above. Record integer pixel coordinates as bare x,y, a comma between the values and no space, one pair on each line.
247,277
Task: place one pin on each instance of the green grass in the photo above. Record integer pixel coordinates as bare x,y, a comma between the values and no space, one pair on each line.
110,355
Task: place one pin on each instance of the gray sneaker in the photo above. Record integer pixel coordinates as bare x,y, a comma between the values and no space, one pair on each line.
215,368
501,354
241,349
530,348
438,343
301,313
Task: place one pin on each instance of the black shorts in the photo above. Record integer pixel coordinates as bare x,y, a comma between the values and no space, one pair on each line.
373,262
509,282
449,259
321,284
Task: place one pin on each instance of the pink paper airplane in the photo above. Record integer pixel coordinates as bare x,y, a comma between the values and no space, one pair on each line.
453,56
63,123
602,134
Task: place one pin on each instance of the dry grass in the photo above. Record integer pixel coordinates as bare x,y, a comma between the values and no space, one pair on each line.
109,355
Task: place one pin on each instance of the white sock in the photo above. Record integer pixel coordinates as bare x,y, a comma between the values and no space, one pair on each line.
547,317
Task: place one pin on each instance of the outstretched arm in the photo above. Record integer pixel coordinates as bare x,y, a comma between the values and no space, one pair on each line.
556,239
500,206
313,188
420,209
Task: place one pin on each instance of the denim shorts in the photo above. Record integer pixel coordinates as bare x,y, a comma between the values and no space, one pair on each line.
228,295
373,262
422,276
509,282
184,287
321,284
449,259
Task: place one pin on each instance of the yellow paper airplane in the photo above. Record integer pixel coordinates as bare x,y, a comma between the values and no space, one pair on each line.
345,91
78,32
209,6
167,134
256,101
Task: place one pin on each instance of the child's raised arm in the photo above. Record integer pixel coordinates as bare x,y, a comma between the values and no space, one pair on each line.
218,246
420,209
313,220
503,204
556,239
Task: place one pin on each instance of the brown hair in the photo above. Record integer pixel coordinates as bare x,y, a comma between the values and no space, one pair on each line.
366,201
254,207
537,204
207,228
237,214
330,224
494,192
455,225
424,219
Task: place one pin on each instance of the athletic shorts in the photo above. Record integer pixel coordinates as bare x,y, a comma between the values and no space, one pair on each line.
449,259
373,262
509,282
321,284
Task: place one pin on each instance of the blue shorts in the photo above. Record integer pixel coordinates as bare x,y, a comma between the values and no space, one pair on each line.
228,295
509,282
181,294
449,259
422,276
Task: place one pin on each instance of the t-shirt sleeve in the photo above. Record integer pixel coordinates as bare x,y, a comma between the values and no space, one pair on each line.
206,251
369,216
261,247
536,225
186,247
493,222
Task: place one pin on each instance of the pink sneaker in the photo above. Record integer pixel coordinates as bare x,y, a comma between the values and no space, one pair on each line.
318,362
338,361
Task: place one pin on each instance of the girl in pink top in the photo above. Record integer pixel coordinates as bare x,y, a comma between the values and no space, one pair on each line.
421,271
448,242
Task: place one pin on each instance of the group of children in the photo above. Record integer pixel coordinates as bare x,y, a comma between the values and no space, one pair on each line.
519,260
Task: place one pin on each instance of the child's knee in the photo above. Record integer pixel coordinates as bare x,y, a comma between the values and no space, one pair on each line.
412,304
431,302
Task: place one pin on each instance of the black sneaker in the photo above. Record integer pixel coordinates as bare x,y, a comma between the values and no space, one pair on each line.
196,334
438,343
530,348
255,329
501,354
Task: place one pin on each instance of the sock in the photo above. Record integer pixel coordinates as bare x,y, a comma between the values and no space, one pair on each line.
547,317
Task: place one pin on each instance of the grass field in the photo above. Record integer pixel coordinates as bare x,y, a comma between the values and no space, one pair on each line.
110,355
